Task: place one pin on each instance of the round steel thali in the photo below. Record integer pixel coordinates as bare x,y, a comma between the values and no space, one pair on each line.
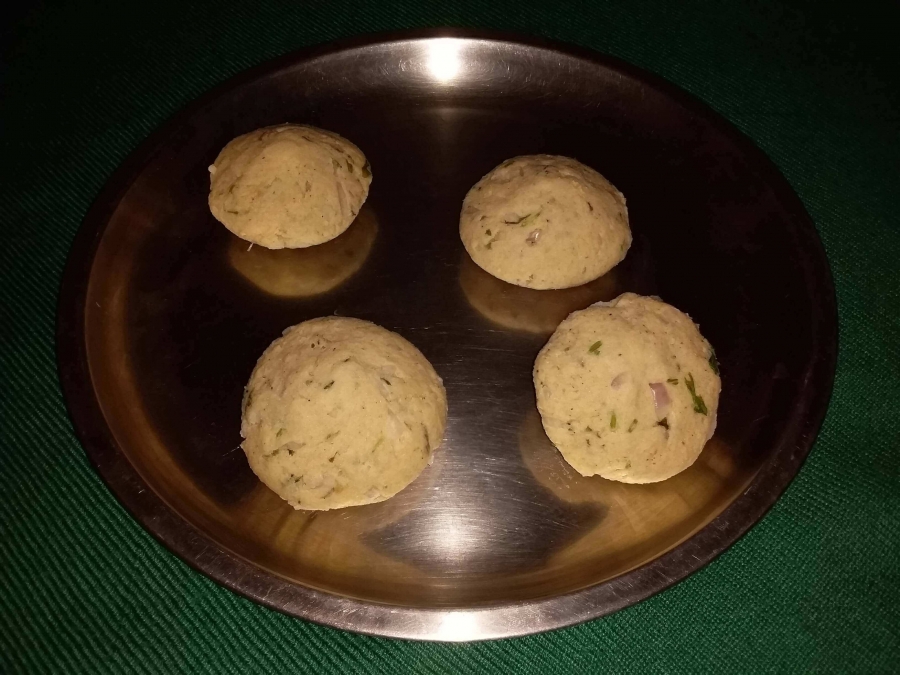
163,314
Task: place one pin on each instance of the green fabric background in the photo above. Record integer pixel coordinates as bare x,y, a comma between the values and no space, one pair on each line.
813,588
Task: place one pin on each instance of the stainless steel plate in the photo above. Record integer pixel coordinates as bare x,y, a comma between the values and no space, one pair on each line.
163,314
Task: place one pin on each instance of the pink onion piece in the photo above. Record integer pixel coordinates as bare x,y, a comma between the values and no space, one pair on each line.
661,398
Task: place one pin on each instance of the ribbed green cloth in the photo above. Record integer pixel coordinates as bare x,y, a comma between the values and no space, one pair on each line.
813,588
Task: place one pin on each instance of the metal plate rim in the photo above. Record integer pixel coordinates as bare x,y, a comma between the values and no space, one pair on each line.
491,622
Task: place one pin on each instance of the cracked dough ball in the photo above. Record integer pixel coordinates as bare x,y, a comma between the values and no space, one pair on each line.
543,221
628,390
288,186
341,412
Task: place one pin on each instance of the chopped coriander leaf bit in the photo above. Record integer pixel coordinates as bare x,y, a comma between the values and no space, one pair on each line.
595,348
699,405
632,426
523,220
329,385
664,423
713,361
612,421
672,380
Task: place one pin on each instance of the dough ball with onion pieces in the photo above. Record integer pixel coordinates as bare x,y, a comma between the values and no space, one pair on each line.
340,412
543,221
288,186
628,390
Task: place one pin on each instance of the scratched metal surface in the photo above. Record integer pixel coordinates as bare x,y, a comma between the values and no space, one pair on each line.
163,314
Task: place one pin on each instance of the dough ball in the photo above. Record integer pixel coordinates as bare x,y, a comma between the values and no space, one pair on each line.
306,272
543,221
628,390
526,309
288,186
340,412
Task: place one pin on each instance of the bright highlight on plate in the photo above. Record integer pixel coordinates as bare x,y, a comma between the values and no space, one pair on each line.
444,63
458,627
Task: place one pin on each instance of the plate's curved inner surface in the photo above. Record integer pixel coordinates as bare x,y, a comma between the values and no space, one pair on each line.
178,311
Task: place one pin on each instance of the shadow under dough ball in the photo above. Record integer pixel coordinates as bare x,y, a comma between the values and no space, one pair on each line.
526,309
306,272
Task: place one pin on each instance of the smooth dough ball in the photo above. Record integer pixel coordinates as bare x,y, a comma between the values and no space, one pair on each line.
288,186
543,221
340,412
628,390
306,272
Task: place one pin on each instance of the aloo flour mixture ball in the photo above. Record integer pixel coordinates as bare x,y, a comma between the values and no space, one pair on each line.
288,186
628,390
340,412
544,221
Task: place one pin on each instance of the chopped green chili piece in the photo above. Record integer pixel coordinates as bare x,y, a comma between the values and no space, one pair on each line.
595,348
612,421
699,405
